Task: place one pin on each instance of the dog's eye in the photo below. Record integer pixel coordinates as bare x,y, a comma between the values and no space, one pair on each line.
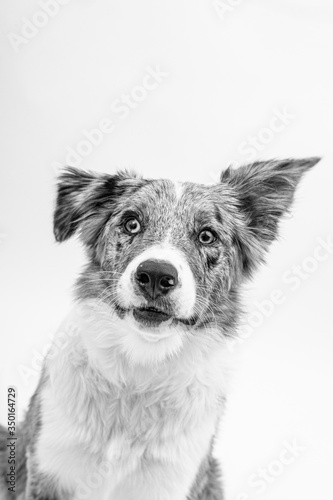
207,237
132,226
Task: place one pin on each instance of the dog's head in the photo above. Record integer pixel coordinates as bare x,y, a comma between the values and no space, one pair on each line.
170,256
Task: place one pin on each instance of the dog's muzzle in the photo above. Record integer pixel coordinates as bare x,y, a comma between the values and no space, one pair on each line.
157,285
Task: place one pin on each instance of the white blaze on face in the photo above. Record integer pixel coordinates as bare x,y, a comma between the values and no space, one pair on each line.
183,296
178,186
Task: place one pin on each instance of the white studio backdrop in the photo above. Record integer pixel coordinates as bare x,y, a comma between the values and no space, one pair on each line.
181,89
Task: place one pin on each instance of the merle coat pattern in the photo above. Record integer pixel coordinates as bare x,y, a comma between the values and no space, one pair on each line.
115,385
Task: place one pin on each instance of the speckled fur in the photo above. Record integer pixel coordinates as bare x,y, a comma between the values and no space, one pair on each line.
110,398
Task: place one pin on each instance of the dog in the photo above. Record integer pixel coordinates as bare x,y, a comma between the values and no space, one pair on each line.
132,392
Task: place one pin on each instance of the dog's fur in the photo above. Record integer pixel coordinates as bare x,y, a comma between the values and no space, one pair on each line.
127,409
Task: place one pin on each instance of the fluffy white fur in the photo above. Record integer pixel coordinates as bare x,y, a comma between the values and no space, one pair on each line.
110,424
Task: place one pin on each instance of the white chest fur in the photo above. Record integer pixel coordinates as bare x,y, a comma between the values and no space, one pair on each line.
113,430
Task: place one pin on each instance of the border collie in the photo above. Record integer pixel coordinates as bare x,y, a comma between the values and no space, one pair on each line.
128,407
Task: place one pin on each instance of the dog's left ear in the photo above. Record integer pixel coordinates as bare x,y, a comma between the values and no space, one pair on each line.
264,192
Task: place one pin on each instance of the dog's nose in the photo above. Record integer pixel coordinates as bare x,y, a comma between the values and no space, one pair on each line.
156,278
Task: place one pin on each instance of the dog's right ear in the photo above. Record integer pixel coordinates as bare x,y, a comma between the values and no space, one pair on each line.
85,200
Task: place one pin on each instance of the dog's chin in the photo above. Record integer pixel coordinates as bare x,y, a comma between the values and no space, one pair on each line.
149,337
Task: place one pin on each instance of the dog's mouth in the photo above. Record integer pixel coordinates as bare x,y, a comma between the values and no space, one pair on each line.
150,316
153,316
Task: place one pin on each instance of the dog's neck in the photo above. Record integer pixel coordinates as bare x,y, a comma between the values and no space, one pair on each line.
98,344
96,384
